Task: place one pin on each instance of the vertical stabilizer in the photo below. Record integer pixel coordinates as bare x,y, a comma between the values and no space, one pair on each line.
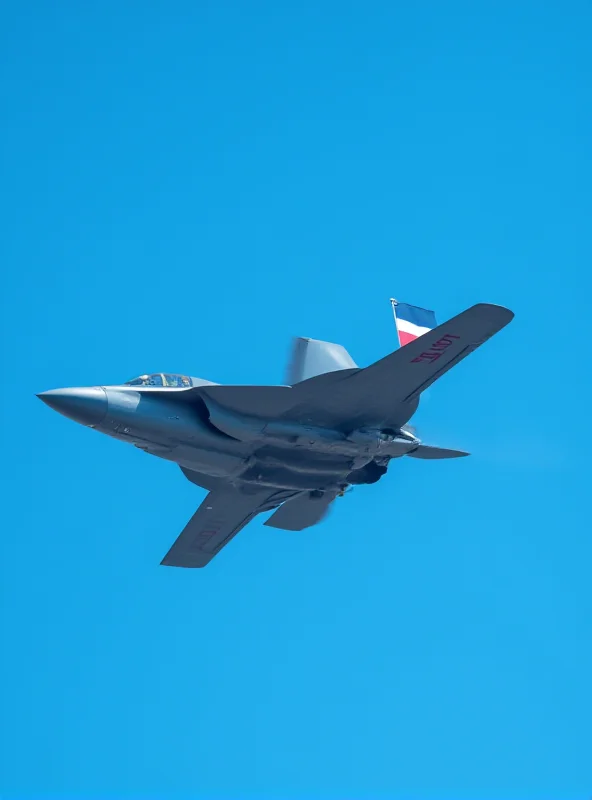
311,357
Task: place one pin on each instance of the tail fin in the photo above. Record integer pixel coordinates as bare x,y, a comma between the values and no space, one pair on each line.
311,357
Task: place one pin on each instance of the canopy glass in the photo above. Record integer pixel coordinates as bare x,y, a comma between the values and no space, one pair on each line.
161,379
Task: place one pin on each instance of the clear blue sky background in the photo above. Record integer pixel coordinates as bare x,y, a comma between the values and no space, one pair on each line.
184,187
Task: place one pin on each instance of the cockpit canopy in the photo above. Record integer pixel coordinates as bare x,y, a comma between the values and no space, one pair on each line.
162,379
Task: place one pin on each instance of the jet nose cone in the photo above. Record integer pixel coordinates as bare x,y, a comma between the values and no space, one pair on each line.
86,404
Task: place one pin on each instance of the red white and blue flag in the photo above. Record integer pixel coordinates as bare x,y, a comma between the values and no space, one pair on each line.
412,321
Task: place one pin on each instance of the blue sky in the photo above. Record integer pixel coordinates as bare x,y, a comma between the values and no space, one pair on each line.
186,186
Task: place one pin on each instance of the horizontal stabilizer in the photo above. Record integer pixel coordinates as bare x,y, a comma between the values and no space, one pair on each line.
311,357
428,452
301,512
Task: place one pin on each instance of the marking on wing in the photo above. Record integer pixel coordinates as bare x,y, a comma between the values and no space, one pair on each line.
205,534
436,349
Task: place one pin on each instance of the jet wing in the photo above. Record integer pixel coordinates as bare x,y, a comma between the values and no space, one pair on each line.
301,512
220,517
387,392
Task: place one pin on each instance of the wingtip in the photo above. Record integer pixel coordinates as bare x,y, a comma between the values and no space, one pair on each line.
500,311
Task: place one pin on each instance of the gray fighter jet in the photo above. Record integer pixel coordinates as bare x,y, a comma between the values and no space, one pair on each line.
293,448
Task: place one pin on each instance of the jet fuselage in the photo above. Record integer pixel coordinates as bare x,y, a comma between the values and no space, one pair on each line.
176,425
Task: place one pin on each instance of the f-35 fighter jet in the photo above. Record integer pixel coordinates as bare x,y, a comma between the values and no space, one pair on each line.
292,448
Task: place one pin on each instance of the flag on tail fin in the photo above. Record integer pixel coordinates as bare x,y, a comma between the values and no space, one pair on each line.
412,321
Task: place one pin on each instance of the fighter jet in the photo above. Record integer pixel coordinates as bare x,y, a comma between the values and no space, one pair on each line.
291,449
